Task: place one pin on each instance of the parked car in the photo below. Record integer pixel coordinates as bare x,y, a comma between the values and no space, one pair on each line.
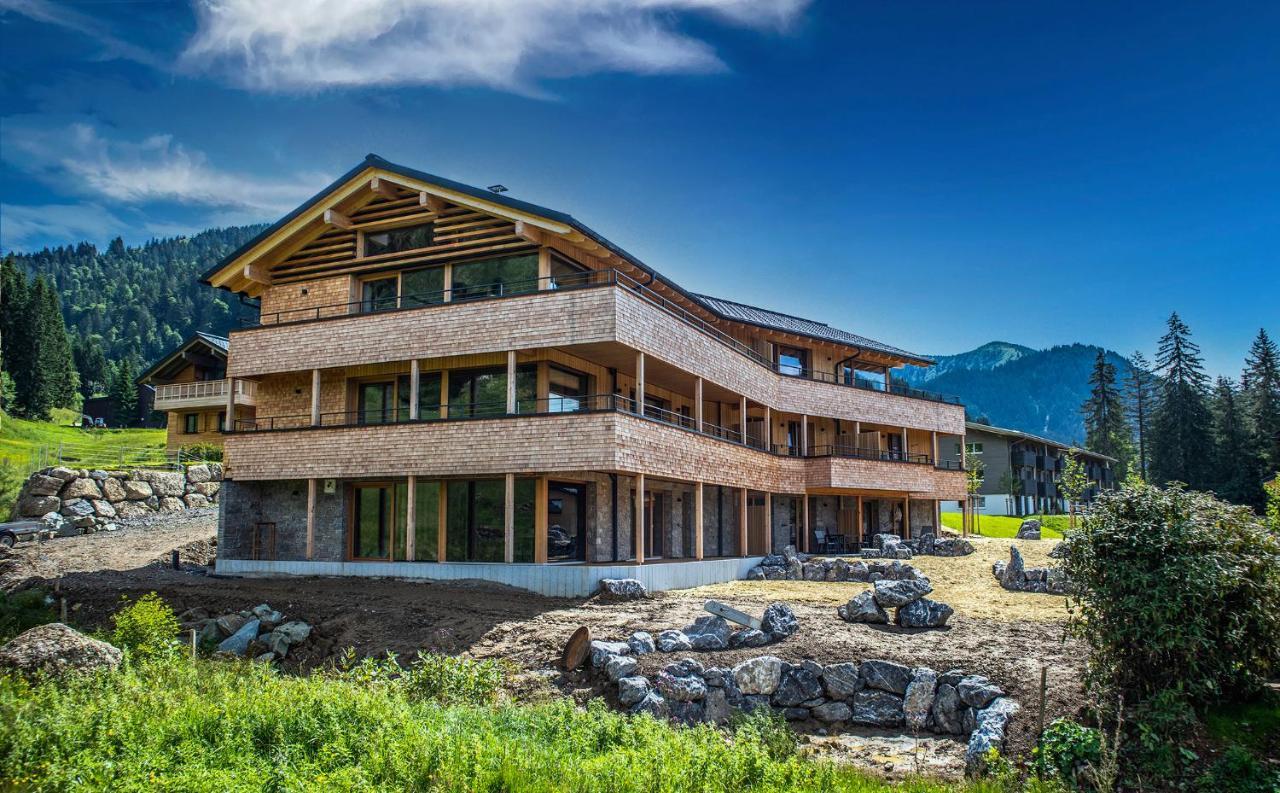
11,533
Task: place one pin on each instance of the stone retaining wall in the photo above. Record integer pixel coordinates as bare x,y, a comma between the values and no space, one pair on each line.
81,501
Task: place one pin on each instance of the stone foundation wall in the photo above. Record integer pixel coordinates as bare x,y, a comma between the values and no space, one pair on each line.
76,501
244,505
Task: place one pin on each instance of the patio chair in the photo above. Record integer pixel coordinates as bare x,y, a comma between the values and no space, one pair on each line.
820,539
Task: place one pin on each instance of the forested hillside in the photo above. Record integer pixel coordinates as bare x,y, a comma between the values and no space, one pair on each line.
1037,391
141,301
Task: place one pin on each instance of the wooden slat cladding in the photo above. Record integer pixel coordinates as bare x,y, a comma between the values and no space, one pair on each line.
459,233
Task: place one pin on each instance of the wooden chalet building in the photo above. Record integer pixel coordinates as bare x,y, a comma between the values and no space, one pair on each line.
451,383
192,388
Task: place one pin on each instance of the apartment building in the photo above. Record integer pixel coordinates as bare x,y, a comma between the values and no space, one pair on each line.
451,383
1022,472
192,389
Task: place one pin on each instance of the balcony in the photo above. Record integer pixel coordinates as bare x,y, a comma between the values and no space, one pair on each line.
203,394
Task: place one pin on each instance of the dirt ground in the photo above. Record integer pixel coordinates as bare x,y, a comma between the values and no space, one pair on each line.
1005,635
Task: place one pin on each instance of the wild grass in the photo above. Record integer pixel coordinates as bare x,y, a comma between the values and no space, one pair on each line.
1001,526
207,725
21,440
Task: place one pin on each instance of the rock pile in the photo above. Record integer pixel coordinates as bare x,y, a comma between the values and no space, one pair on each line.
789,566
708,633
1016,576
872,693
907,597
79,501
57,649
261,633
1028,530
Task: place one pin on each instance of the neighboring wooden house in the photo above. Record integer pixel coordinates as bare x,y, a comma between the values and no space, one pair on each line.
453,383
192,389
1022,472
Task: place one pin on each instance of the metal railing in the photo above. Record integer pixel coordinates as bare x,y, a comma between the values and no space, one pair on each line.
858,453
582,280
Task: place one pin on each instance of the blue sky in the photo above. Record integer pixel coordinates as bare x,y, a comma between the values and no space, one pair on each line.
932,174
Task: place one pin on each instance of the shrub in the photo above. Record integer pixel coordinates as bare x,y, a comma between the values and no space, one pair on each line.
146,628
1175,591
201,452
1065,748
1238,772
23,610
453,681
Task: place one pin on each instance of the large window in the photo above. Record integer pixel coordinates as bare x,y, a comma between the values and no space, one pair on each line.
374,403
566,522
428,395
565,273
378,294
792,361
495,277
426,519
374,522
405,238
566,390
422,287
483,392
475,521
866,376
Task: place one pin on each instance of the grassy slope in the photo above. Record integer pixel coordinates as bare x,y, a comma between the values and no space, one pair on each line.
218,725
1051,526
21,440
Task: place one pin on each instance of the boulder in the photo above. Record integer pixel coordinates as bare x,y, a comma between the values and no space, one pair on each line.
1012,575
760,675
977,691
686,713
35,506
948,709
641,642
653,704
756,574
81,488
632,689
891,594
77,508
952,546
137,490
620,666
832,712
859,572
133,509
197,474
841,681
112,490
230,623
779,621
238,642
103,508
680,688
798,684
673,641
195,501
919,697
267,616
814,571
748,637
708,633
294,631
1029,530
42,485
207,489
602,650
171,504
57,649
898,552
923,613
774,560
863,608
991,724
885,676
65,474
716,706
877,708
1059,551
163,483
623,588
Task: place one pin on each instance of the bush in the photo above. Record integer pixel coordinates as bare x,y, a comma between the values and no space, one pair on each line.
1065,748
201,452
1238,772
453,681
23,610
1175,591
147,628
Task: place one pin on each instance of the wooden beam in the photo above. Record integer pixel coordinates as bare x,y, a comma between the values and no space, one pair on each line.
410,521
434,203
804,523
540,520
442,518
415,377
315,397
383,188
639,518
509,520
511,382
531,233
311,518
697,408
639,403
229,423
742,523
335,218
257,274
697,521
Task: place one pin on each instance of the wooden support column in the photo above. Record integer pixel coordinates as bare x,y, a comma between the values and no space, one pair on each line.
933,442
937,517
315,397
509,521
544,268
742,415
768,429
311,518
447,284
742,521
768,522
411,519
442,516
639,404
639,518
444,394
804,523
857,433
861,537
229,420
804,435
540,520
415,377
511,382
697,409
697,521
906,446
906,517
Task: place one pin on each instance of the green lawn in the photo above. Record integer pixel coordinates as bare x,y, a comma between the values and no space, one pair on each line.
1051,526
21,442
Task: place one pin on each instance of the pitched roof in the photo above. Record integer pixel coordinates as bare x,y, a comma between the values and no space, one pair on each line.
1027,436
220,342
763,317
726,309
217,344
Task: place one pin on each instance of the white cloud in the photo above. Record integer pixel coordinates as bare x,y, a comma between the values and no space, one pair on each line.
49,13
157,169
25,227
504,44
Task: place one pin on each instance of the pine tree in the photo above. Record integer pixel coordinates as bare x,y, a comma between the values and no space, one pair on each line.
55,353
1141,397
1181,443
36,393
14,318
91,363
1106,430
124,393
1237,472
1260,387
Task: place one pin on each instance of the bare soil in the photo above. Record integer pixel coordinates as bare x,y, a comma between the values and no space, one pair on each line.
1007,636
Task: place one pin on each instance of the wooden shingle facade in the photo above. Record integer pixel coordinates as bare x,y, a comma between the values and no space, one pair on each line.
446,376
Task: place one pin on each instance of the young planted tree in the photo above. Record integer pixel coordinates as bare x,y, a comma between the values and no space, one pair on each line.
1237,471
1140,394
1013,486
1106,429
974,473
1181,444
1260,387
1075,481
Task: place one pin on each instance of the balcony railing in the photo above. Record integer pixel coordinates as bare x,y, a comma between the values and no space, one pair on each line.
582,280
595,403
203,390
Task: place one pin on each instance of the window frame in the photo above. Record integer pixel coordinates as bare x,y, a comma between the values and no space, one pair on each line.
187,422
363,242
